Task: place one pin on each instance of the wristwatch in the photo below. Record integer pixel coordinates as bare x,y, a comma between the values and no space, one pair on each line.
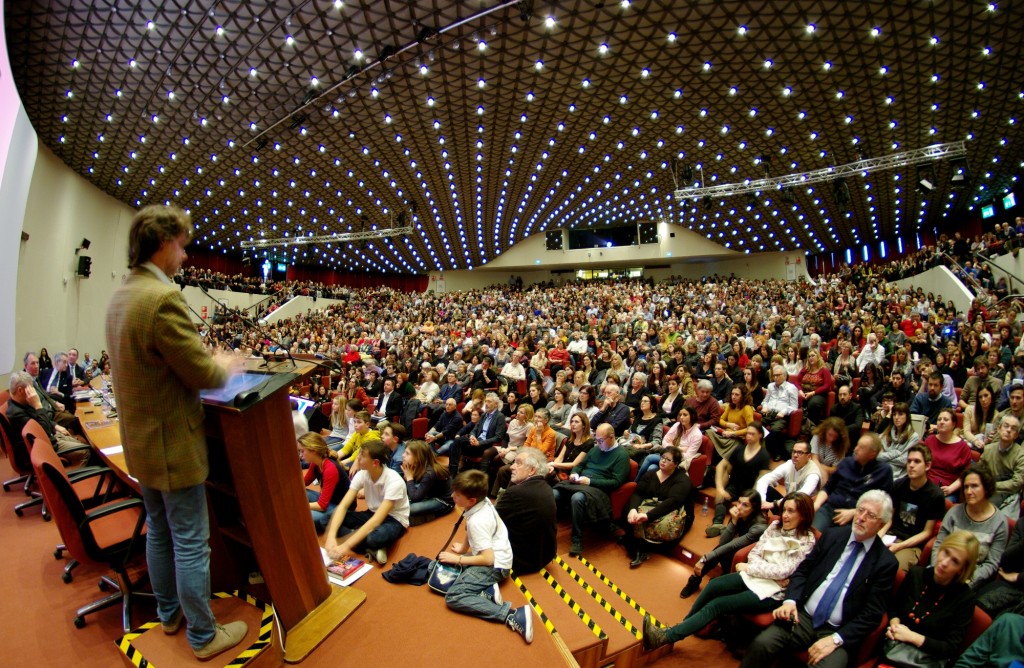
837,639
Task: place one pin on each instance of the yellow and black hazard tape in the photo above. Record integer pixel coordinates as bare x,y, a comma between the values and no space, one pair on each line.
533,604
124,643
615,588
594,594
580,612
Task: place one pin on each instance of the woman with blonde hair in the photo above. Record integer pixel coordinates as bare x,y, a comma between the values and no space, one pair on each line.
930,613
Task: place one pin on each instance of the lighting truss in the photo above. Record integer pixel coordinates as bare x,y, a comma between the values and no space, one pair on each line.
927,154
340,237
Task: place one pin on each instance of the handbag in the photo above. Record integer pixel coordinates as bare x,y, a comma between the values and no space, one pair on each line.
443,576
904,655
666,528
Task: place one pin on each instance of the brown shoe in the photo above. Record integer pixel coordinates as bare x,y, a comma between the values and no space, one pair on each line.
226,637
172,625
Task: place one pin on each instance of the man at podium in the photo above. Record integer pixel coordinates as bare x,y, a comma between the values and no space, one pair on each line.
159,365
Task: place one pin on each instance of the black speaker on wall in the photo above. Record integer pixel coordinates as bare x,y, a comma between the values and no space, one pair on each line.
648,233
553,240
84,266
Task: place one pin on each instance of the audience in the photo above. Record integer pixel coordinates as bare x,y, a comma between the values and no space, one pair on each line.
850,324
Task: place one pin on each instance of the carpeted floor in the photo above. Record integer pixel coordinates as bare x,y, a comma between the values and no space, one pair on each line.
398,624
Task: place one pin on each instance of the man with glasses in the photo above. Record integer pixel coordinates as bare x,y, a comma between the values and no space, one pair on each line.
799,474
781,398
602,471
837,595
854,475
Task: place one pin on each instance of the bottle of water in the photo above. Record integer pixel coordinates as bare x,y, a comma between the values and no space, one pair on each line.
704,509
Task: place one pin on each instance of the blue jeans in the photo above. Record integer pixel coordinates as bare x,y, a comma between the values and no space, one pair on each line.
387,533
650,463
471,594
178,554
321,518
429,506
444,447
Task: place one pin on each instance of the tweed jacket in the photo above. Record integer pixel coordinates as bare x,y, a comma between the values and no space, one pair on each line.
158,366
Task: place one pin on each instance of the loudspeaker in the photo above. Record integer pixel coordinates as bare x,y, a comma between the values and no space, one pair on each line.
553,240
648,233
84,266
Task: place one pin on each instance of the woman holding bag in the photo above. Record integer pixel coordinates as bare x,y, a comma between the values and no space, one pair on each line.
655,510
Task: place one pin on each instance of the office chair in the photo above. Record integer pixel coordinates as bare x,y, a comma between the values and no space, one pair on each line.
112,533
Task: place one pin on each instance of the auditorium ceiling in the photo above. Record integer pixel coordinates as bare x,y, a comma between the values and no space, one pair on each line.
476,124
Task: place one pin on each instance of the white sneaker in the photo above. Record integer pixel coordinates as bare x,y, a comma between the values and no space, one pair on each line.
380,555
496,594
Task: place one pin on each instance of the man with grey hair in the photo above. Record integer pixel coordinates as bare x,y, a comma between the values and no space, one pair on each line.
611,411
54,408
482,442
836,596
781,398
1004,457
25,404
528,510
855,474
708,410
57,381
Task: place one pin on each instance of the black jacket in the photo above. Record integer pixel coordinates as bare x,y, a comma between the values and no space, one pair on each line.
868,593
528,511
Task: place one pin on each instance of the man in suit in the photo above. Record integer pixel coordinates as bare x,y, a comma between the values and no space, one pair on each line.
57,382
488,433
76,371
527,508
838,594
54,408
389,404
153,344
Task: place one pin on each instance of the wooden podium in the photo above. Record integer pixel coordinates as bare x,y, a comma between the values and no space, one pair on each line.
259,514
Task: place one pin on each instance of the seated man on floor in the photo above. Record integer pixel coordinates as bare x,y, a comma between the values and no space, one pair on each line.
370,531
25,405
837,595
602,471
835,505
528,509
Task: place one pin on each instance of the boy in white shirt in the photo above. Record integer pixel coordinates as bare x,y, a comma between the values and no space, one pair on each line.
486,558
387,518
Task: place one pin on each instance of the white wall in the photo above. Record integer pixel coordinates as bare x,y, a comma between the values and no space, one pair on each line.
940,281
787,266
55,309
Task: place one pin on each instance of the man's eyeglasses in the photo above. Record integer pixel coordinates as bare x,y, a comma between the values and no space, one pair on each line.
868,514
800,452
